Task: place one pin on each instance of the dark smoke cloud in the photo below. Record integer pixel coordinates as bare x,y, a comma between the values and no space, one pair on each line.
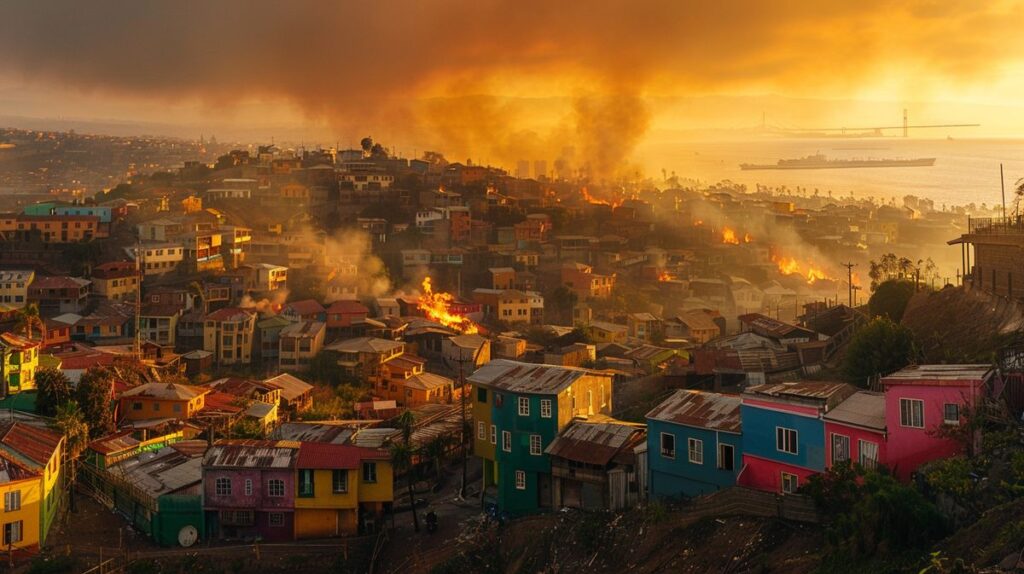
365,65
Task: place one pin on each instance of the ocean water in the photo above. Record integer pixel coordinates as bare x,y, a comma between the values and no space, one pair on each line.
965,171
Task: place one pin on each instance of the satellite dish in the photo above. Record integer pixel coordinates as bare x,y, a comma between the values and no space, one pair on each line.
187,536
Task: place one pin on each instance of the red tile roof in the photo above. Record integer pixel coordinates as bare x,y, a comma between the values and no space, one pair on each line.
348,307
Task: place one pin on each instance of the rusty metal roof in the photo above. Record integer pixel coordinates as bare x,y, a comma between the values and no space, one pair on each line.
517,377
12,470
34,443
252,454
700,409
331,433
828,393
596,443
923,374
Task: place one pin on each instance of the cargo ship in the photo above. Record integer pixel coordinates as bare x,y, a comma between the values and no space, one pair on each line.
819,161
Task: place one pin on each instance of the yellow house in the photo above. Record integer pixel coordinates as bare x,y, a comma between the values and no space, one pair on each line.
485,433
342,490
22,492
19,360
162,400
40,451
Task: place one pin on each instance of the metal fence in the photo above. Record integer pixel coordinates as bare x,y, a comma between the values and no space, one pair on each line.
996,225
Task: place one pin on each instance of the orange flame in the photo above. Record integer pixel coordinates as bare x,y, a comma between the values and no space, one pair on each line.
436,306
790,266
595,201
664,276
698,222
747,238
729,236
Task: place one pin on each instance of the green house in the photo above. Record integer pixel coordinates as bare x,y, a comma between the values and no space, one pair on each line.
522,408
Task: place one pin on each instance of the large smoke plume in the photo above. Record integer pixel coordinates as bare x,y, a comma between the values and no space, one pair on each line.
499,79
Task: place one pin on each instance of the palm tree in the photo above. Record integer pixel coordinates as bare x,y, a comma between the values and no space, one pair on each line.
29,317
70,421
437,450
401,458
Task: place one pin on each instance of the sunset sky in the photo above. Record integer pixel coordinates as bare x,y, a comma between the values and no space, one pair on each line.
504,79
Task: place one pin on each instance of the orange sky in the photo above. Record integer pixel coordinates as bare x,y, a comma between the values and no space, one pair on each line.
505,79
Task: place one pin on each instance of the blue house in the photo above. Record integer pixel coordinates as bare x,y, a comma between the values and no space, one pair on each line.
785,432
694,444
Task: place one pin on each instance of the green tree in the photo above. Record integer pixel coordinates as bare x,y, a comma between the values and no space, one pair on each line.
54,390
890,299
560,303
70,421
877,348
28,318
94,395
401,458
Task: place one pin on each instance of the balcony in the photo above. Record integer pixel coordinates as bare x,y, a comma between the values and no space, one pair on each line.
996,226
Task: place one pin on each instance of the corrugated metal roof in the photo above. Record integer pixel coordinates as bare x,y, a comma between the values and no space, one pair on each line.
913,373
11,470
117,442
595,443
863,409
803,389
315,432
166,391
251,454
163,471
518,377
700,409
336,456
291,386
32,442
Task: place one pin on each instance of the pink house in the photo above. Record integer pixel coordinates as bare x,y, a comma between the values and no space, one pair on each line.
855,430
919,401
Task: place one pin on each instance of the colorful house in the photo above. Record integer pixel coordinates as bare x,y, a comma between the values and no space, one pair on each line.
919,401
20,360
694,444
249,489
594,464
342,489
855,430
519,409
40,451
22,510
162,400
784,433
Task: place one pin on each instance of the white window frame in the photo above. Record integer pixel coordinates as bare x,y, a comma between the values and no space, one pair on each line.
661,446
506,441
535,445
849,454
948,421
861,444
520,480
481,430
248,487
695,450
909,421
524,406
494,434
781,446
222,486
545,408
784,483
731,458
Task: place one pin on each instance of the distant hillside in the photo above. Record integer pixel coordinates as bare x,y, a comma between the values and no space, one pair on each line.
959,325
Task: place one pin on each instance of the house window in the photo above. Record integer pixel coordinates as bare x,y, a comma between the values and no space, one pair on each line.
276,519
506,441
840,448
868,453
306,482
481,430
912,413
275,487
668,445
498,400
951,414
12,501
248,487
524,407
726,455
695,450
494,434
369,472
339,481
790,483
136,406
545,408
785,440
520,480
222,486
481,395
535,445
12,532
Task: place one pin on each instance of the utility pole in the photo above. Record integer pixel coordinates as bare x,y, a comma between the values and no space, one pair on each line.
462,404
137,347
849,279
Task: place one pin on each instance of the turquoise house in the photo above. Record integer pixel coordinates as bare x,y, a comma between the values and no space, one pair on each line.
694,444
528,406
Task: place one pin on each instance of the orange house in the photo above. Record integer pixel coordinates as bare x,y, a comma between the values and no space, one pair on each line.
162,400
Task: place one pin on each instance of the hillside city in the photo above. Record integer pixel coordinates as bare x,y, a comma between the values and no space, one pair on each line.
265,357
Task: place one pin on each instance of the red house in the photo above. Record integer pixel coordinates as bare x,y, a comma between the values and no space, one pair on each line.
855,431
919,401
